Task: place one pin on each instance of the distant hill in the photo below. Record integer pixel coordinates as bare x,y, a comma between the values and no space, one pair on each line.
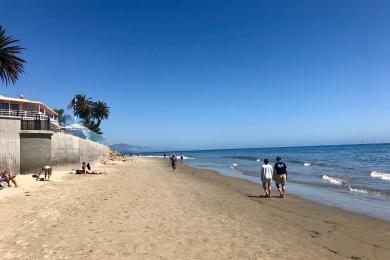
126,148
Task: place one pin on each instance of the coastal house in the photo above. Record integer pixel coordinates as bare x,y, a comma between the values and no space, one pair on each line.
30,138
34,115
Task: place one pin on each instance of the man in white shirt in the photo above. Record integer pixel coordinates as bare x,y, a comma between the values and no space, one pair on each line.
266,177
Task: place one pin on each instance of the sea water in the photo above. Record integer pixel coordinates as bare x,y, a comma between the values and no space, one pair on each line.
352,177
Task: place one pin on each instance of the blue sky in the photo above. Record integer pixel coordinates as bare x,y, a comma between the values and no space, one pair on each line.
213,74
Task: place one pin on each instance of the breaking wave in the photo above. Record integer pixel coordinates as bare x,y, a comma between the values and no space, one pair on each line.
357,190
333,180
160,156
234,164
151,156
187,158
380,175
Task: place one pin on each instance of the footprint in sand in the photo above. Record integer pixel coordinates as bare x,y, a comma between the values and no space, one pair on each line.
314,234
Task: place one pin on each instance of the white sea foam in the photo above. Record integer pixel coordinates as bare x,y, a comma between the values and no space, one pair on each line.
380,175
151,156
160,156
332,180
258,160
357,190
306,164
235,164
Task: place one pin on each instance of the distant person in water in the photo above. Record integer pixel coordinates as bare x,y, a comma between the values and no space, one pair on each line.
165,155
280,176
266,177
181,158
173,162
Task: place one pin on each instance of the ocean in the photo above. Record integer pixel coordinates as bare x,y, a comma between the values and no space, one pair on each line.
351,177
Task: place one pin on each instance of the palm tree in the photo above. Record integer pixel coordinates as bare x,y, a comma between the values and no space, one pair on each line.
11,66
91,113
83,109
94,127
100,111
62,117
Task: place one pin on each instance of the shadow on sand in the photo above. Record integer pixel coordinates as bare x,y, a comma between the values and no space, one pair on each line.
261,197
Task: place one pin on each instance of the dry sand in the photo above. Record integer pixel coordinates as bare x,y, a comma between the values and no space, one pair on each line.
140,210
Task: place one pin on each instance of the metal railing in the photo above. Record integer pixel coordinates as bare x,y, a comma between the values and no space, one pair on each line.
24,114
32,120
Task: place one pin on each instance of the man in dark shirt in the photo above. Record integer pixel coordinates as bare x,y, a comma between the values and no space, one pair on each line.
280,176
173,162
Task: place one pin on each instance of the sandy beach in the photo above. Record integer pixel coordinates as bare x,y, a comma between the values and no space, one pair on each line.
140,210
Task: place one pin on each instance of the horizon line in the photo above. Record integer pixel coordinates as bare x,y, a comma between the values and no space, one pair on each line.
269,147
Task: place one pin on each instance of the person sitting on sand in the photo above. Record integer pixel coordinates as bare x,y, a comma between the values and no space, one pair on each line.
280,176
266,177
4,181
7,176
86,169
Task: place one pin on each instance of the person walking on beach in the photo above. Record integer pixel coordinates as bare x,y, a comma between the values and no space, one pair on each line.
181,158
173,162
280,176
266,177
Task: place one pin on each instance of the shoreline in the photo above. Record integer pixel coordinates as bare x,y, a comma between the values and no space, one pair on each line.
315,218
353,178
304,190
257,186
141,210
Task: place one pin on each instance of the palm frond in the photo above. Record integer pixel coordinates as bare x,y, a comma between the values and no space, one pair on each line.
11,66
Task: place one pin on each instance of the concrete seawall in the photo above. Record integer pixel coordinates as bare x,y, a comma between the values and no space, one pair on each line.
35,150
10,144
68,151
28,151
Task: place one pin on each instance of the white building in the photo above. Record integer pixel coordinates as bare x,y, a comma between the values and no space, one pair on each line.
27,110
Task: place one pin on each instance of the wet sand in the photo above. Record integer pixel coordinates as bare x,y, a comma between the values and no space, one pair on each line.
141,210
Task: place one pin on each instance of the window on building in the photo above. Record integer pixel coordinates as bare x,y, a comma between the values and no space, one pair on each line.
3,106
15,107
